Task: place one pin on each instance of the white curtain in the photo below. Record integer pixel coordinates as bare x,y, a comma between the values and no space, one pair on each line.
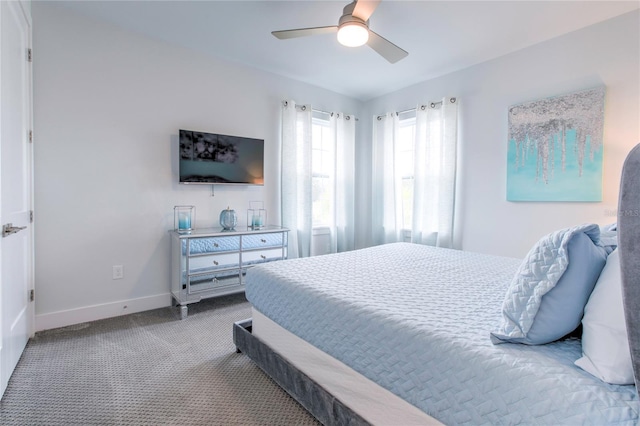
387,181
343,229
435,147
296,177
434,158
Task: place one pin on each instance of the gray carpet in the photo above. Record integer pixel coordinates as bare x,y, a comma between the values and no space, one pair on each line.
148,368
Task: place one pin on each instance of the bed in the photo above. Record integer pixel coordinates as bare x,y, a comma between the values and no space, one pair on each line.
409,334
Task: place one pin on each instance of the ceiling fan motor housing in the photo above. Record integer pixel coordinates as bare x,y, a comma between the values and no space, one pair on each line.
350,19
347,16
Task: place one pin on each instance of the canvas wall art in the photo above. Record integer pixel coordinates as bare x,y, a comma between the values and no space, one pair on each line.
555,148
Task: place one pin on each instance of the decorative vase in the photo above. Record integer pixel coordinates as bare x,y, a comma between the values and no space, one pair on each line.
183,218
228,219
256,215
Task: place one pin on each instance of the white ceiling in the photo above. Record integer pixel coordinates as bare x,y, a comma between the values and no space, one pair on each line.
440,36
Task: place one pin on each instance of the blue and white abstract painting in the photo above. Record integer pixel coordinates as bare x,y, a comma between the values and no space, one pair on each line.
555,148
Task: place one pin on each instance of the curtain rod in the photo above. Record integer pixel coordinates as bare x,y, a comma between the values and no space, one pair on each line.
422,107
304,107
331,113
328,113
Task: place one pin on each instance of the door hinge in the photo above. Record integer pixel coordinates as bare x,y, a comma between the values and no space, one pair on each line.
30,136
29,55
30,216
32,295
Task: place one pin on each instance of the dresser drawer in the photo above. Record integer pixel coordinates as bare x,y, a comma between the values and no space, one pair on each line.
211,245
276,239
204,283
259,256
213,262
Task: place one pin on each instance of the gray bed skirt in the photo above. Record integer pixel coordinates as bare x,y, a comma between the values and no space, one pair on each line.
313,397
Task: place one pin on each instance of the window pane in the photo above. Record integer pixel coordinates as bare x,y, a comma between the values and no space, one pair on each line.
323,159
406,137
321,208
316,162
405,164
407,202
316,136
327,163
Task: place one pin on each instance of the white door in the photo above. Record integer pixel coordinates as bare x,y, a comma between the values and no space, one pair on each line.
16,243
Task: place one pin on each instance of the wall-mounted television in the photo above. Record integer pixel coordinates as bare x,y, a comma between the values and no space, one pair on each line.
211,158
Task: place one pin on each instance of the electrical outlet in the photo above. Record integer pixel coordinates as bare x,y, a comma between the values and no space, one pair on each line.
118,272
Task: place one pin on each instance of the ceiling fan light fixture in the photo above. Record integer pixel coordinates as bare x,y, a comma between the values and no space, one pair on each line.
353,34
353,31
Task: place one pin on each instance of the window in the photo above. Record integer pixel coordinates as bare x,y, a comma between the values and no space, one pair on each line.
405,157
322,171
405,163
317,178
414,174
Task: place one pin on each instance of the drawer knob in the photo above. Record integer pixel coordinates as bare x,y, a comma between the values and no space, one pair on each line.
215,262
263,240
263,256
216,245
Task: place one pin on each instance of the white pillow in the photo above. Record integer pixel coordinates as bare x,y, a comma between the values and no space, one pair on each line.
605,346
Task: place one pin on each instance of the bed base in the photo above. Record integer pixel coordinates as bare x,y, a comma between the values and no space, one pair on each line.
308,393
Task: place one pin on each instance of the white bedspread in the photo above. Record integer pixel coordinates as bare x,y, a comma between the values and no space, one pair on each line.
416,320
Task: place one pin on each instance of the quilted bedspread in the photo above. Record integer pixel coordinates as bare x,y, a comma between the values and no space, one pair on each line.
416,320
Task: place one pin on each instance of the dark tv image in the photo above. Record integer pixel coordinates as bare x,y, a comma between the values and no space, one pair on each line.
210,158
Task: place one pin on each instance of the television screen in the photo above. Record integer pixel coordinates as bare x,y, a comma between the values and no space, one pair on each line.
209,158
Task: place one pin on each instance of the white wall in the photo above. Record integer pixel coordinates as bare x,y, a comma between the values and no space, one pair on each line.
607,53
108,106
109,103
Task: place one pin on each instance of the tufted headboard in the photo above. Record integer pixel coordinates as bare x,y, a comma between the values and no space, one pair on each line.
629,247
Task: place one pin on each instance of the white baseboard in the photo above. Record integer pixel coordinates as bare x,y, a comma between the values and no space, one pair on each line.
96,312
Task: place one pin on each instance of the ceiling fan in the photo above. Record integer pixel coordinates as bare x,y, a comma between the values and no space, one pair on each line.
353,30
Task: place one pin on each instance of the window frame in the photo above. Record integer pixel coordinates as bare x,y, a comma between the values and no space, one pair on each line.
318,120
407,120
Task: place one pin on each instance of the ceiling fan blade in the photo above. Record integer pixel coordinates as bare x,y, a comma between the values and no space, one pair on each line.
303,32
365,8
385,48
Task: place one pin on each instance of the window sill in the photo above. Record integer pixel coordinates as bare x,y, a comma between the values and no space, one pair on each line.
321,230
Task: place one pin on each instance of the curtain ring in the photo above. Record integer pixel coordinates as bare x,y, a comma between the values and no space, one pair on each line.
285,103
432,105
423,107
452,100
348,117
379,118
303,107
